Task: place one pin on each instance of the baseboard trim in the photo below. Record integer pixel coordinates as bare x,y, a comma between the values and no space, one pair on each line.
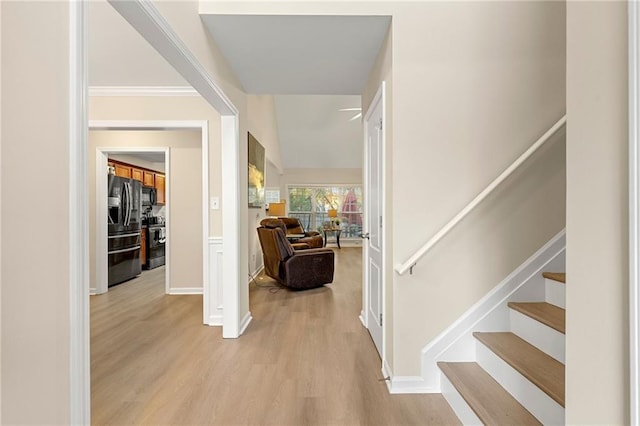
404,384
460,331
245,322
410,384
185,290
215,321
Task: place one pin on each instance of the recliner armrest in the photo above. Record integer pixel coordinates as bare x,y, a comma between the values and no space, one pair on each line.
309,268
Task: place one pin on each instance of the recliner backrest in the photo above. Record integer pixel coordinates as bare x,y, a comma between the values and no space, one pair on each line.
293,225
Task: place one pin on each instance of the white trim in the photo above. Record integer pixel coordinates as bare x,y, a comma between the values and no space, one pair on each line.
411,262
79,361
409,384
213,313
379,98
101,270
404,384
634,211
231,208
142,91
185,290
257,272
459,333
245,322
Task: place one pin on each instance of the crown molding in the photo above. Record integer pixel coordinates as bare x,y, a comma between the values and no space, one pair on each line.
142,91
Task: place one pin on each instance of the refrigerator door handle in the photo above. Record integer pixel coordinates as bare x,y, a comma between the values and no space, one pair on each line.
128,196
125,209
135,234
125,250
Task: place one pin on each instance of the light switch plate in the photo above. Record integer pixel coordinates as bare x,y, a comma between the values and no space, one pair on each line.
215,203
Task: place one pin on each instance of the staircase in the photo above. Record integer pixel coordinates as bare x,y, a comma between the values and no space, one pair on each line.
518,376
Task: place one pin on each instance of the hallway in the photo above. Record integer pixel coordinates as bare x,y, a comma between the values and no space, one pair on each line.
305,359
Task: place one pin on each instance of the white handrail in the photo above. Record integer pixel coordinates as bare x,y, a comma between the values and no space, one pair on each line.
411,262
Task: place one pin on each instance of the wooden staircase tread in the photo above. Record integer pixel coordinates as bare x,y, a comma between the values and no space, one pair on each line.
556,276
546,313
489,401
539,368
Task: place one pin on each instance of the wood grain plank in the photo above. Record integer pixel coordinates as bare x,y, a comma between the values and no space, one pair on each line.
556,276
548,314
490,401
305,359
538,367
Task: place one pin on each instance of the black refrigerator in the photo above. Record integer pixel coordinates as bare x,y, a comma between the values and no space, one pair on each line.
124,207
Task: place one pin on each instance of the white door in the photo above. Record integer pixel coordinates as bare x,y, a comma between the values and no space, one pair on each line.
373,248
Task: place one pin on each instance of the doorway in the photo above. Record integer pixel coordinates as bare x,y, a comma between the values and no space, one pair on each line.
103,154
373,295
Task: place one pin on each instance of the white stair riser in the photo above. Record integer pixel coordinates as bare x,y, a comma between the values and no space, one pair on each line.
555,293
541,405
541,336
458,404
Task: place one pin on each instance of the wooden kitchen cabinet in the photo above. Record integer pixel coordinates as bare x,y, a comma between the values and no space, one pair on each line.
149,179
122,170
143,246
136,174
160,180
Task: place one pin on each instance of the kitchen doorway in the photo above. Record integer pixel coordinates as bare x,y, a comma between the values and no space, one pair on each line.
156,157
179,140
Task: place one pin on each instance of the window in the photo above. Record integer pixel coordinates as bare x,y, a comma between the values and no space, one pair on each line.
311,205
271,195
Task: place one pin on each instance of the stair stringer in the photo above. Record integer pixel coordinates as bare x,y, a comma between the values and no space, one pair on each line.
525,284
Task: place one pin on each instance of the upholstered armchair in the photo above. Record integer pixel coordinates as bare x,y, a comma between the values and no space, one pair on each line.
294,226
296,269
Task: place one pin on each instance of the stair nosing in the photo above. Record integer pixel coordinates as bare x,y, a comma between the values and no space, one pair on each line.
522,307
483,411
560,277
488,339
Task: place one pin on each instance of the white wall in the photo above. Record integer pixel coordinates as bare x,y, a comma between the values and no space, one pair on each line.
597,375
35,255
184,201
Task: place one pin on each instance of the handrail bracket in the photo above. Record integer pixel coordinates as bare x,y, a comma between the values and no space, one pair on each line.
411,269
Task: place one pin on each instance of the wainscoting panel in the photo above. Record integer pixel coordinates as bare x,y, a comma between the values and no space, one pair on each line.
215,282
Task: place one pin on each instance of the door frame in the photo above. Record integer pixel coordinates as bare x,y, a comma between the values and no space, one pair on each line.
145,18
101,272
379,98
101,211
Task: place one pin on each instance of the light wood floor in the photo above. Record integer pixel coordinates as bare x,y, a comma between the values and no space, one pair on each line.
304,360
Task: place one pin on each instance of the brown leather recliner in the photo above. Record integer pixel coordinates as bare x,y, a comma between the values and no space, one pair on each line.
296,269
294,226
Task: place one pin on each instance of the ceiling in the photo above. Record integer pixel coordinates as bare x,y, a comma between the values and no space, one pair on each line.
321,55
314,133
